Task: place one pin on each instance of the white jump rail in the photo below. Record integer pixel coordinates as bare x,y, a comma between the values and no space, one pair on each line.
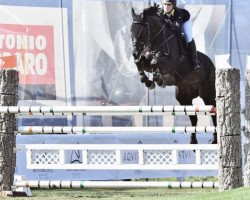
109,156
114,184
109,110
103,130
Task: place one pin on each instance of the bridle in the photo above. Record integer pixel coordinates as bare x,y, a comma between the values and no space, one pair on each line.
147,43
140,45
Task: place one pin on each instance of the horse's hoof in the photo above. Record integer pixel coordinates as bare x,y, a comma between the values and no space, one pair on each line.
193,141
214,142
150,85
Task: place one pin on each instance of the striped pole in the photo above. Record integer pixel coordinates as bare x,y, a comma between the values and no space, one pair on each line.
109,110
114,184
89,130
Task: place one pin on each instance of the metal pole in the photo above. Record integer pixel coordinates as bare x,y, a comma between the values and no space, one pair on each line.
231,31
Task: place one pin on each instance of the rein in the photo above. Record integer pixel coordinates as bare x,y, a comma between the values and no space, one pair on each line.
144,24
166,49
148,43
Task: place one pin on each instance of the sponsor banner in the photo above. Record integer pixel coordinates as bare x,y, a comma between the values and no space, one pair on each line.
128,157
33,46
40,47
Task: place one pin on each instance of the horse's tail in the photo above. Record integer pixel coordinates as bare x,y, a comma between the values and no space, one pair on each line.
205,61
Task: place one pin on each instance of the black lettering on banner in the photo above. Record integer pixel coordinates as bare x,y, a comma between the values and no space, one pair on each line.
75,156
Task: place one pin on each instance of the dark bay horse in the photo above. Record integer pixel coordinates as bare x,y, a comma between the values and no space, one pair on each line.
158,48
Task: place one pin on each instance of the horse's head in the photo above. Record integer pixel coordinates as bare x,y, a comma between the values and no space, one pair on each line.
143,28
150,30
139,33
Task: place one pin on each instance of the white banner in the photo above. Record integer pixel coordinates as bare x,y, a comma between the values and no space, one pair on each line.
128,156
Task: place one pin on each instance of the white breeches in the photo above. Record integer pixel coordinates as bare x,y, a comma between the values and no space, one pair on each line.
187,29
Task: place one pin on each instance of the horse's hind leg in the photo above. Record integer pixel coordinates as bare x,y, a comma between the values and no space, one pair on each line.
214,134
193,139
210,100
185,100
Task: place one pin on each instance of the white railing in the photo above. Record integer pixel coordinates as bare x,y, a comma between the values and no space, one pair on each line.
109,156
109,110
86,130
114,184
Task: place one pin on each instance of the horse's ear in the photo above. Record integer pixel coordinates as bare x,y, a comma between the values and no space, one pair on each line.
133,14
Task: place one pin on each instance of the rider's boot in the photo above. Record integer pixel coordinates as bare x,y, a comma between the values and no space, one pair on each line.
193,53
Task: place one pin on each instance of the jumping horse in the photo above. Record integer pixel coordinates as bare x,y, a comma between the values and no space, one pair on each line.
159,48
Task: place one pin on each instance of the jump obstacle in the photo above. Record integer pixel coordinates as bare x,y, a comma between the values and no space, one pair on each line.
108,157
225,182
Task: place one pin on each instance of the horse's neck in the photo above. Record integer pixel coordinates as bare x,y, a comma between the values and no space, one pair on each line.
156,44
156,33
177,48
165,43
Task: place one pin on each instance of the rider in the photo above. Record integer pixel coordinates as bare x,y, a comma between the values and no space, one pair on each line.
181,18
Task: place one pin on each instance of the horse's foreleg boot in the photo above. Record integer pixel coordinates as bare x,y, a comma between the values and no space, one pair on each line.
150,84
155,59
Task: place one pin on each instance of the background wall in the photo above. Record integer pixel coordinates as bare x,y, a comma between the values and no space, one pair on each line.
78,52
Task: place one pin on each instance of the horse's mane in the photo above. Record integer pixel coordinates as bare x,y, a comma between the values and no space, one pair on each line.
151,11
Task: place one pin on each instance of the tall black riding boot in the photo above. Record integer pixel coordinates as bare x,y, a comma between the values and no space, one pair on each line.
193,53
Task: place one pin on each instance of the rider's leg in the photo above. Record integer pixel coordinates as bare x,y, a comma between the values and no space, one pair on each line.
193,53
187,29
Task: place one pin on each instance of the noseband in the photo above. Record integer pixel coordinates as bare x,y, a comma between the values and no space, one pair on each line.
141,43
148,42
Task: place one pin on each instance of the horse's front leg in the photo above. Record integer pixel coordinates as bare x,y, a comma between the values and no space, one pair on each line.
148,83
141,65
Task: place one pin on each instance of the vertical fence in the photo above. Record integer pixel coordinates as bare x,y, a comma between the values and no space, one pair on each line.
247,130
229,128
9,97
